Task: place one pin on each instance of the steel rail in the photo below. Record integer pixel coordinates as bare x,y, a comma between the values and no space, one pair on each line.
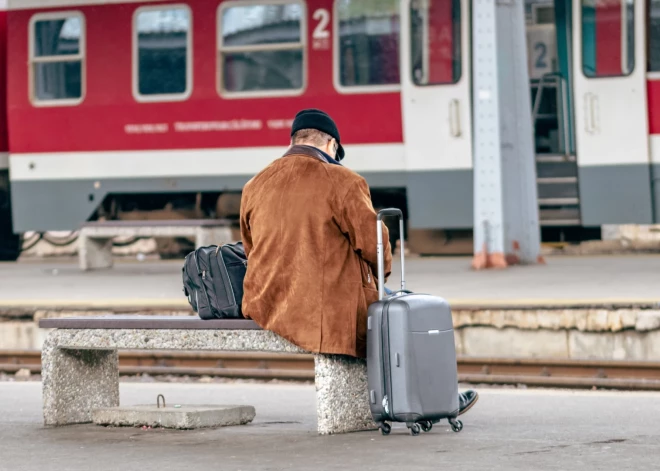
540,372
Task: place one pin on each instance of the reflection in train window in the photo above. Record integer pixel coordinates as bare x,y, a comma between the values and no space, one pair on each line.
367,42
608,44
435,29
261,48
57,52
654,36
162,67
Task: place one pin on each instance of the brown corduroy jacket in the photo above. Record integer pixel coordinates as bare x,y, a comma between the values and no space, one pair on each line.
309,231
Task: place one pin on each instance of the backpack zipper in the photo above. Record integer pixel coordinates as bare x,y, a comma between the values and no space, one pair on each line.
231,288
203,287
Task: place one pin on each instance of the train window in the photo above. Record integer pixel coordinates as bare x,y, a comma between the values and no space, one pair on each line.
608,44
261,48
57,58
162,53
367,45
435,42
654,36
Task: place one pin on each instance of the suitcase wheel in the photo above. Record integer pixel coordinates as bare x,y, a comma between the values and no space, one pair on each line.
426,426
414,429
385,428
456,425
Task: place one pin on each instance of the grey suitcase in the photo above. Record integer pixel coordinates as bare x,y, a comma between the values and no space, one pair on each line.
411,356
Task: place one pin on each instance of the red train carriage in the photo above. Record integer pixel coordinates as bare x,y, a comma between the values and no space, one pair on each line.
117,106
129,103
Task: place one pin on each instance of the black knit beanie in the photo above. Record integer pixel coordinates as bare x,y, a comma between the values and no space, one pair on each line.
321,121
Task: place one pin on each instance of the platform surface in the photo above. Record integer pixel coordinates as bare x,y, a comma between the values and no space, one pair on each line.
506,430
155,284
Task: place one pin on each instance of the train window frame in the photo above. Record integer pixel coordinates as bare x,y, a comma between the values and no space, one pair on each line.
336,66
624,30
80,57
425,50
162,97
219,49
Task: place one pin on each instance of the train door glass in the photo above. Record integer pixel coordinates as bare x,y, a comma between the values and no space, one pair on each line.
435,84
550,68
610,107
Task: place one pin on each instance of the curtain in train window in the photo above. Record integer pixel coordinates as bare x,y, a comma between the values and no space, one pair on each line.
163,51
435,29
262,48
368,39
57,56
608,45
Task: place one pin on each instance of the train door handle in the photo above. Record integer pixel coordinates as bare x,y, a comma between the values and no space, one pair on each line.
454,118
591,113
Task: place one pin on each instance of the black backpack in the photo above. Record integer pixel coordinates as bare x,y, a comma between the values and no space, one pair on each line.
213,280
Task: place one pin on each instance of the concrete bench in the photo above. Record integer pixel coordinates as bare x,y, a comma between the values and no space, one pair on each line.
80,364
95,238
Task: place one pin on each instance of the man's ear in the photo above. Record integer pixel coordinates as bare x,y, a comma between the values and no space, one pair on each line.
330,149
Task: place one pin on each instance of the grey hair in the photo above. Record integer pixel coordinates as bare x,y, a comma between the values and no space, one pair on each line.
310,136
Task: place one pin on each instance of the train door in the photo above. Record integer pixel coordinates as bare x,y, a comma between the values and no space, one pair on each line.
550,50
436,105
612,138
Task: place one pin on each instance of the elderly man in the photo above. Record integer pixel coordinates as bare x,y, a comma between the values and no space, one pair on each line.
308,228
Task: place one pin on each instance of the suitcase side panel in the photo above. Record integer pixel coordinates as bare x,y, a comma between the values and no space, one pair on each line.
375,370
434,356
424,375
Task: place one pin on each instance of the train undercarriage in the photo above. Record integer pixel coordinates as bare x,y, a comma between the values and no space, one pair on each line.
10,243
216,205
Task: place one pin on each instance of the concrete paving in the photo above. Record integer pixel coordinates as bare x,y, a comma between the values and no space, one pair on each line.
507,430
586,279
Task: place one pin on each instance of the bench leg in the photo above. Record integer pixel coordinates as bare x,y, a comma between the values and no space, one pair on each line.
75,382
94,253
342,397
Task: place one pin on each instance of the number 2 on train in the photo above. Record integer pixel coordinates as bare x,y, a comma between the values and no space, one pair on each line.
323,17
540,60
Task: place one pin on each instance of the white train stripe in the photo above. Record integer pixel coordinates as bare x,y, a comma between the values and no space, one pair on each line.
183,163
654,145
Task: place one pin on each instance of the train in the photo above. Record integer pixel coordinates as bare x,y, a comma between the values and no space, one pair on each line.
164,109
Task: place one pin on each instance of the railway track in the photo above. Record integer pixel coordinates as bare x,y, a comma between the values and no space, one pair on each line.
537,372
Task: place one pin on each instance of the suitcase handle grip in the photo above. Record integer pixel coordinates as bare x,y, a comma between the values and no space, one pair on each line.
381,256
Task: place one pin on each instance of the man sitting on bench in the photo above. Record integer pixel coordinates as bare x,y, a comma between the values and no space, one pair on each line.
308,228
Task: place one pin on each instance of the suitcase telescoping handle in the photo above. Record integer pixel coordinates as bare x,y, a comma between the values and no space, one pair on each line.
381,255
